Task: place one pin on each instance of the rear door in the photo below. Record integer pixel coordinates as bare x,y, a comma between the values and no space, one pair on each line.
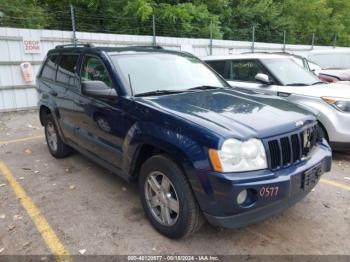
67,82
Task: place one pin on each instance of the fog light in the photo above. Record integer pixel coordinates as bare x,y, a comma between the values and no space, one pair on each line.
242,197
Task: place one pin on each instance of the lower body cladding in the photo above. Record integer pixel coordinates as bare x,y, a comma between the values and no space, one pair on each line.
242,199
340,146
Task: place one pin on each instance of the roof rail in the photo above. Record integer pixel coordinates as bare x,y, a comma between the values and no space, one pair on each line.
74,45
260,52
149,46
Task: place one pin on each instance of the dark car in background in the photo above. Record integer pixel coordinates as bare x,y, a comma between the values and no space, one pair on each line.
195,146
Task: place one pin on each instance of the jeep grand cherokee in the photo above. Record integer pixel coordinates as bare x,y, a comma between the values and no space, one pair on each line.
197,147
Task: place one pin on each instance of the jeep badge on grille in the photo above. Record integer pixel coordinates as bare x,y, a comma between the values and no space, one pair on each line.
299,123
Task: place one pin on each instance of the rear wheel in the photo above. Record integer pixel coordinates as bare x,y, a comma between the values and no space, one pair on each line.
54,142
167,198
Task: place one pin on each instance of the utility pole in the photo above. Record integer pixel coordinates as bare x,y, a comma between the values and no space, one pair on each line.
154,30
73,24
253,39
313,41
335,41
211,38
284,40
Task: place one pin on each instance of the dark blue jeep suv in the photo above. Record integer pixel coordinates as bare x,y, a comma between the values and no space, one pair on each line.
197,147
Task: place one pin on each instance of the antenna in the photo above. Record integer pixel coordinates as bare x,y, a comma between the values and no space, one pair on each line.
132,91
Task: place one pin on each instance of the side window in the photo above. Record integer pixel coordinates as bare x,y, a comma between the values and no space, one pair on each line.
94,70
245,70
219,67
49,69
66,69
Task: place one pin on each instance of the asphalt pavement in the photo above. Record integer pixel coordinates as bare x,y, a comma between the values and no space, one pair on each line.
74,207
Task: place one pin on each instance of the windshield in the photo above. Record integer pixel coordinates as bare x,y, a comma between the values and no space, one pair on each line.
314,67
299,61
289,72
161,71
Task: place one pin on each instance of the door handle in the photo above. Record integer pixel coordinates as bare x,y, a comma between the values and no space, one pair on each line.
53,93
283,94
82,103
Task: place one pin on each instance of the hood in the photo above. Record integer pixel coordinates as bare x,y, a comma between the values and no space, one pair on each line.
233,113
336,89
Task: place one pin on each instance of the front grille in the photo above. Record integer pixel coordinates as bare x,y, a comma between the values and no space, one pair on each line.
288,149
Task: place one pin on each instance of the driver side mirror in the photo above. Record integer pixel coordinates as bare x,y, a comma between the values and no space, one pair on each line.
263,78
98,89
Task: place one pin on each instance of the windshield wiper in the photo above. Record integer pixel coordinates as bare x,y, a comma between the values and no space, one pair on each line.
204,87
297,84
168,92
319,83
160,92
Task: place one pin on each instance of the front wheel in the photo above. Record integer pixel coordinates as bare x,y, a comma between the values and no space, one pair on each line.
167,198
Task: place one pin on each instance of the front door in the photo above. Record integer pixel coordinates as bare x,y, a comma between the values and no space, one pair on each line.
241,73
100,126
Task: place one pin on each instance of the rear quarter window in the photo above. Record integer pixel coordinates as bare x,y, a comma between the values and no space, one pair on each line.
50,66
66,69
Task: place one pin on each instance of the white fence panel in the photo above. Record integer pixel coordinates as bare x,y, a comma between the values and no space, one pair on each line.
15,94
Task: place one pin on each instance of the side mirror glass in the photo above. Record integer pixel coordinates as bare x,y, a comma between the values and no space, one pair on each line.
98,89
263,78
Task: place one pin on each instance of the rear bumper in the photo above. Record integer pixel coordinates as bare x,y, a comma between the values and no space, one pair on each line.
288,186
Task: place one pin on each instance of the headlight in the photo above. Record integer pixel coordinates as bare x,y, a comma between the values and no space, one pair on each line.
238,156
338,103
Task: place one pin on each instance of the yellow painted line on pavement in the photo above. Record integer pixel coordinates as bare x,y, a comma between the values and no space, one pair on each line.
47,233
20,139
336,184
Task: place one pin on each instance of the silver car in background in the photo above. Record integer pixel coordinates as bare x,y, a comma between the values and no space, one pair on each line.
280,75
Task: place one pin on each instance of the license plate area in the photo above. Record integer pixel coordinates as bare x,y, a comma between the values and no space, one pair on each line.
311,177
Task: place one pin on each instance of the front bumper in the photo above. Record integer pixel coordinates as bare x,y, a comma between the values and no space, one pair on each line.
336,124
270,192
255,215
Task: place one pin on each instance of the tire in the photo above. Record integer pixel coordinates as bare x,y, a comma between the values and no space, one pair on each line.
57,147
172,186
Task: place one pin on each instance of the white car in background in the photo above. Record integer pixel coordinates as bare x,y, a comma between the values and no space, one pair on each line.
280,75
331,58
330,75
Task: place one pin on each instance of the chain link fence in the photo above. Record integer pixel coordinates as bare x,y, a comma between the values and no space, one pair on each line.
76,19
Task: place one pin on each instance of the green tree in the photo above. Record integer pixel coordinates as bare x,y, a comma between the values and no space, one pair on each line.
340,20
227,19
188,20
303,18
241,15
22,13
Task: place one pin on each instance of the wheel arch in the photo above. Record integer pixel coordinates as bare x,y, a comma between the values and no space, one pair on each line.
43,112
148,149
323,129
146,139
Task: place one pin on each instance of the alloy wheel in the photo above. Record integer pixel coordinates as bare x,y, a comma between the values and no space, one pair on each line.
51,136
162,199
